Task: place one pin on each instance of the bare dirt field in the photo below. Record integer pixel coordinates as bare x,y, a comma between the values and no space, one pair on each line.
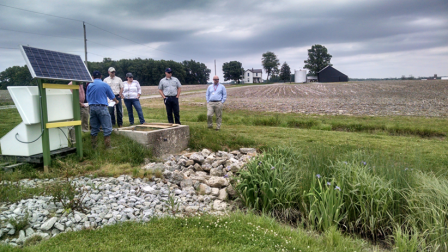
154,90
412,98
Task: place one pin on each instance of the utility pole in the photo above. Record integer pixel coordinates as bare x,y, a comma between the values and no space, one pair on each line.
215,67
85,42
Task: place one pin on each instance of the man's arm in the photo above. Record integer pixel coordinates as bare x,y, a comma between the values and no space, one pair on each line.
111,95
161,93
178,92
224,94
207,95
121,88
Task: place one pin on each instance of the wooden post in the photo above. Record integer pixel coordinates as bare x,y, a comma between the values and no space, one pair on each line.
45,134
76,117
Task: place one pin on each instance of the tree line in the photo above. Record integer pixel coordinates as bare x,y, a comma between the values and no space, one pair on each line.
318,58
146,71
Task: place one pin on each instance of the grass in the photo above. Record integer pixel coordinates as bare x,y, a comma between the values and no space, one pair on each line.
237,232
383,165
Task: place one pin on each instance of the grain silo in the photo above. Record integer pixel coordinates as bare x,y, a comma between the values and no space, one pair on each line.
300,76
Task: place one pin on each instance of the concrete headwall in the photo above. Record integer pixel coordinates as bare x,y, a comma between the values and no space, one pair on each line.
162,141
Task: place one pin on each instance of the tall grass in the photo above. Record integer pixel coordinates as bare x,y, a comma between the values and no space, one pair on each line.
377,196
270,183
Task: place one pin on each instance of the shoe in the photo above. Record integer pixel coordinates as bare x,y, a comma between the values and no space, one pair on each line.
107,143
93,140
120,126
209,127
217,129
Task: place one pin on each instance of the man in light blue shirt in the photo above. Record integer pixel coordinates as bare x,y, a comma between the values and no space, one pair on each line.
216,95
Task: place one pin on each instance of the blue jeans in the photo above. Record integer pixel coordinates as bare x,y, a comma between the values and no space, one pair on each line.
119,108
136,103
99,116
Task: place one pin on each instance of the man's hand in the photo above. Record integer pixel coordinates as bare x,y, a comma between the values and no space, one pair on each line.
116,101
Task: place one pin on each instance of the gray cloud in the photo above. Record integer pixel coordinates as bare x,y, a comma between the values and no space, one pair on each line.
356,33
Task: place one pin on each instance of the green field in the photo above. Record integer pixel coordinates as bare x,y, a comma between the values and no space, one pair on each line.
392,172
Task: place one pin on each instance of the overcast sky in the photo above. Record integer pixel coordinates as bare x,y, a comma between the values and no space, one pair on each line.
367,38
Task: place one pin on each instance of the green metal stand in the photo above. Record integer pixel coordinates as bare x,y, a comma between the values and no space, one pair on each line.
76,117
45,135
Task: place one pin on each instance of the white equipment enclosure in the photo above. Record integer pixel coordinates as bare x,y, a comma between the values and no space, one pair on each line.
26,98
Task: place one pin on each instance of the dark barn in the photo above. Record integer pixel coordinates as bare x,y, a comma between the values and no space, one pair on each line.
330,74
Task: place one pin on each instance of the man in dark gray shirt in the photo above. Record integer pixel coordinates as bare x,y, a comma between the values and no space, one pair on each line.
169,89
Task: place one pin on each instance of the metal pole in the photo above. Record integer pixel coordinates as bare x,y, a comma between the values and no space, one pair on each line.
215,67
45,135
85,42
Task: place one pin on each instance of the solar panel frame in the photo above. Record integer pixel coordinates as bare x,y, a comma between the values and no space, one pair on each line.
53,65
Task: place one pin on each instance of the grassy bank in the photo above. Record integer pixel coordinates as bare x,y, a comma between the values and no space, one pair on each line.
237,232
383,166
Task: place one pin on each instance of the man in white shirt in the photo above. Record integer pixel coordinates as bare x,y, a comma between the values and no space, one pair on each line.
116,84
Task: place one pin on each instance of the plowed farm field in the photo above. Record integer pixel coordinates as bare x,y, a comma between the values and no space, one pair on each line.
412,98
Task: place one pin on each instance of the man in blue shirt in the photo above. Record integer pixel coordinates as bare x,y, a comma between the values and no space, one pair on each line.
216,95
97,95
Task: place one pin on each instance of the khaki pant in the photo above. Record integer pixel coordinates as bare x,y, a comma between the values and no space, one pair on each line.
85,114
214,108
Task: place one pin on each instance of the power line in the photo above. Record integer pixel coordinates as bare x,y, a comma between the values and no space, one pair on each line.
111,47
130,39
8,48
38,34
67,38
40,13
90,25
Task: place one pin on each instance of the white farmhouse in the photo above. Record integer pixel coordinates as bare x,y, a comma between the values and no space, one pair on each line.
253,76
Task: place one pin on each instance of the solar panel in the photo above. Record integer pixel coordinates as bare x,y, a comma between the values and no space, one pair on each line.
46,64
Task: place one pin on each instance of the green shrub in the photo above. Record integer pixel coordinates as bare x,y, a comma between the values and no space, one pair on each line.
19,223
325,203
369,199
270,183
408,240
66,193
427,207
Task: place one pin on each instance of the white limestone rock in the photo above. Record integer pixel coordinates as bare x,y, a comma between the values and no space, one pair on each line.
48,224
217,182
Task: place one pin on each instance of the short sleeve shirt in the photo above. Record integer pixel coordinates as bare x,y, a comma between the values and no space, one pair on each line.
169,86
116,84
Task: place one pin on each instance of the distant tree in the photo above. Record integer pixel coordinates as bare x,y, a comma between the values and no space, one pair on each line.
233,70
285,72
270,63
318,58
196,72
15,76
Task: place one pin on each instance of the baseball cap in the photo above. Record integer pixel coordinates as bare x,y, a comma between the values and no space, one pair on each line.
96,74
168,70
111,69
129,75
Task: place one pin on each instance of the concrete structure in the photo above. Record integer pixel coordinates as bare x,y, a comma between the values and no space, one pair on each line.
161,138
253,76
300,76
445,78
